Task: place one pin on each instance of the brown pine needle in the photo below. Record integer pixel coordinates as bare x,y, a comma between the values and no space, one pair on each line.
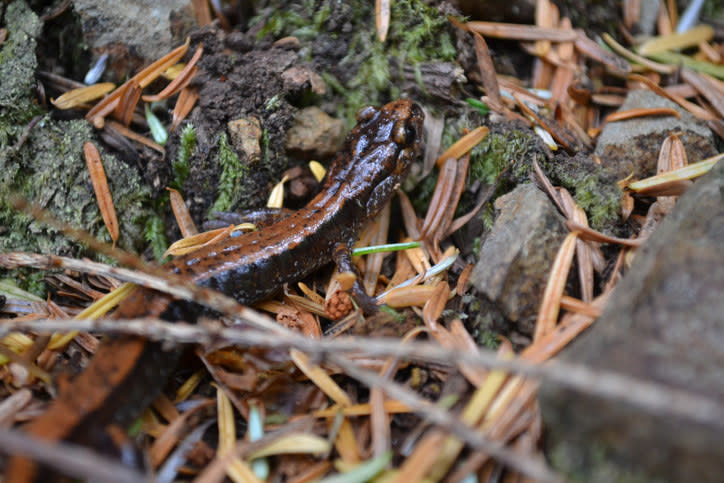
520,32
101,189
487,73
77,97
181,80
641,112
130,94
181,213
382,18
185,102
143,78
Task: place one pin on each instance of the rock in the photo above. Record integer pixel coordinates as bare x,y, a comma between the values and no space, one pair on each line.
664,323
634,145
314,134
148,29
299,80
517,255
245,134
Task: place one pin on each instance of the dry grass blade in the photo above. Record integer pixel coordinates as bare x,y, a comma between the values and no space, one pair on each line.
194,242
143,78
550,305
487,73
382,18
185,102
708,87
125,132
591,49
14,403
163,445
587,233
361,409
101,189
381,229
202,11
641,112
696,110
689,172
452,203
442,194
580,307
691,38
319,377
77,97
633,57
463,145
416,296
520,32
543,124
631,13
181,80
131,93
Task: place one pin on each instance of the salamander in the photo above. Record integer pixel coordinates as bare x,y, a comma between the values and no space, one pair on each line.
128,372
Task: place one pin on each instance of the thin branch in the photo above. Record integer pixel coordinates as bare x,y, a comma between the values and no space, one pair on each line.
654,397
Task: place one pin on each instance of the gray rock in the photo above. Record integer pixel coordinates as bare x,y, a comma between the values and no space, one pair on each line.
517,255
663,323
634,145
314,134
148,28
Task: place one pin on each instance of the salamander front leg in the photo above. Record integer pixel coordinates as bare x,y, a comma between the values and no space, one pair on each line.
343,259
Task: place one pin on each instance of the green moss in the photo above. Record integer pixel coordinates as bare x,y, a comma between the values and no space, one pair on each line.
496,152
155,235
180,167
593,187
418,33
232,172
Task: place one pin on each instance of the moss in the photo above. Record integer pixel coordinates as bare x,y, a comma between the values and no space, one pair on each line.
155,234
371,71
180,167
232,172
593,187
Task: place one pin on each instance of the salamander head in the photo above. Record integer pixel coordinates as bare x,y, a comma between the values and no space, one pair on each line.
379,152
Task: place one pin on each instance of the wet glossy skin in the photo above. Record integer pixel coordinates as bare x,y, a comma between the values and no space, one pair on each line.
127,373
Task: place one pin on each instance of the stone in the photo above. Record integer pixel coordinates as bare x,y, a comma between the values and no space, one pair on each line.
245,135
516,257
664,323
299,80
633,145
148,29
314,134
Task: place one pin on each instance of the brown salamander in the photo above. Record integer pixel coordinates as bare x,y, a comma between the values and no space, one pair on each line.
127,372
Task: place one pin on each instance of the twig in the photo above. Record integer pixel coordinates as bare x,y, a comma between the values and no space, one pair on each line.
654,397
73,460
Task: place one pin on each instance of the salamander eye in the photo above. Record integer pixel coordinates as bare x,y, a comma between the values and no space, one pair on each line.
404,133
366,113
